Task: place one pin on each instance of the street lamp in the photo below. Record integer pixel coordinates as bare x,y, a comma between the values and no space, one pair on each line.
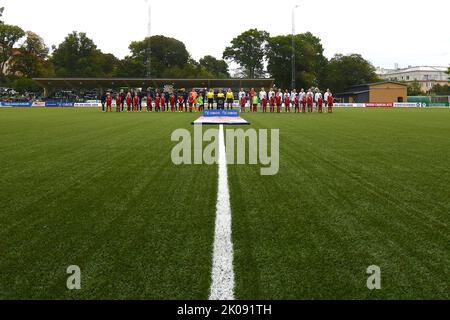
293,46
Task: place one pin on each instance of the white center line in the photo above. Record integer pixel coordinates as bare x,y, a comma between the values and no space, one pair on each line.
222,286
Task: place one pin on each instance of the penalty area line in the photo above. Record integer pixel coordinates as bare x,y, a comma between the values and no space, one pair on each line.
222,286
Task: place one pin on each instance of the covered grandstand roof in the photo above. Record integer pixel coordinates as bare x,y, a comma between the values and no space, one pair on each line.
67,83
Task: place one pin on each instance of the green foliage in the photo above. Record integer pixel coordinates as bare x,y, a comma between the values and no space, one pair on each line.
248,50
9,36
129,67
78,56
169,59
32,61
310,61
344,71
414,89
441,90
166,53
22,84
186,71
217,68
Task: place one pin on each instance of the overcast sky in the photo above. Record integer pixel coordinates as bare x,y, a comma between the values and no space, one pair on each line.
408,32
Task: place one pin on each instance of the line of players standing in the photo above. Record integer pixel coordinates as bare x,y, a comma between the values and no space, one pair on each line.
273,101
161,102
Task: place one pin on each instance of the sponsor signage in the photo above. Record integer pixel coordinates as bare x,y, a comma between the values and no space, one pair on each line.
351,105
438,104
220,120
380,105
87,105
38,104
58,104
406,105
15,104
221,113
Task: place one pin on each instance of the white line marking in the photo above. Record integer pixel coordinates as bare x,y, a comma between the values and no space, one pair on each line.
222,287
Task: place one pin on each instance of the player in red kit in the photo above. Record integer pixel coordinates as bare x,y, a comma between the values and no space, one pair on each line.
191,102
243,102
278,102
108,102
297,104
180,103
309,101
319,103
330,103
118,103
272,103
264,104
129,101
136,101
157,102
149,103
304,104
172,102
287,103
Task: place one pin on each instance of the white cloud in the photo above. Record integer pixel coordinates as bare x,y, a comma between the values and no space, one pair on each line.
384,31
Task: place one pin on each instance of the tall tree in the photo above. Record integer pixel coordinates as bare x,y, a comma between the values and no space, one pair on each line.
130,67
32,59
189,70
414,89
218,68
78,56
441,90
1,14
344,71
9,37
310,61
248,51
165,54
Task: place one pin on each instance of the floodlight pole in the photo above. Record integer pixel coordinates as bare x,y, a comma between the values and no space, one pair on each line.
149,47
293,47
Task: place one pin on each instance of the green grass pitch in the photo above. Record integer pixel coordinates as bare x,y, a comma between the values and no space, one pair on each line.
355,188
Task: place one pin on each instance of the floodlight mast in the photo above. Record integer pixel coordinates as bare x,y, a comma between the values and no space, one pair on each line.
293,47
149,35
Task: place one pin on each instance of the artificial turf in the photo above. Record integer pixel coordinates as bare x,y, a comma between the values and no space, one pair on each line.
355,188
79,187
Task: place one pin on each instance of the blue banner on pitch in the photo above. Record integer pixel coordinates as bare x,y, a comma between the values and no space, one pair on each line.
221,113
